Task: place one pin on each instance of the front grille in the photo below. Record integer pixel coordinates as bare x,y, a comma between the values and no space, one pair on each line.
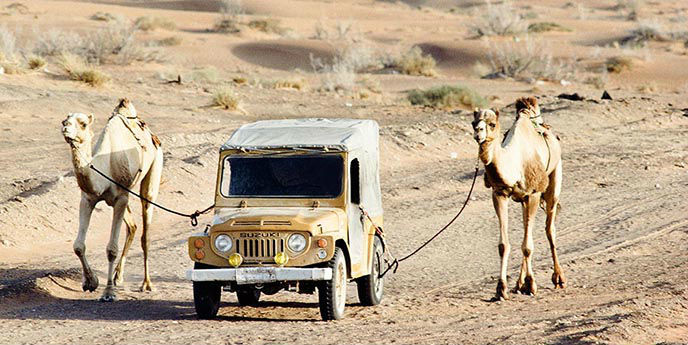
258,249
277,222
246,222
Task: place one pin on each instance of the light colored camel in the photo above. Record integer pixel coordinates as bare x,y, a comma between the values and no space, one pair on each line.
525,165
129,153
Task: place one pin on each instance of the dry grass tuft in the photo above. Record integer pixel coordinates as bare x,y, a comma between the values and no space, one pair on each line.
77,69
150,23
105,17
618,64
36,62
294,84
169,41
226,98
499,20
239,80
546,27
447,96
226,25
11,68
268,25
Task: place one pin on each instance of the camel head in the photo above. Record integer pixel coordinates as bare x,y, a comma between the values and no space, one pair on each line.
125,107
76,128
485,125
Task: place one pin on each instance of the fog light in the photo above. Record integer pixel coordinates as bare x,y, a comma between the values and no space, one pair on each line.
281,258
322,243
200,254
198,243
322,254
235,259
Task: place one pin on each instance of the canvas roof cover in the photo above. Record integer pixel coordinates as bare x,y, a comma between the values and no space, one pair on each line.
334,134
358,137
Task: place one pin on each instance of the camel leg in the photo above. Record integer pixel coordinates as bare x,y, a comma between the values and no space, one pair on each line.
530,208
86,207
501,205
552,200
149,189
131,231
119,207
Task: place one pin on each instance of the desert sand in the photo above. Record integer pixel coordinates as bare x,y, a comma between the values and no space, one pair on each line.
622,231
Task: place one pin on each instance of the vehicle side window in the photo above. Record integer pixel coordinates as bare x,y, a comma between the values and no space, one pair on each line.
354,177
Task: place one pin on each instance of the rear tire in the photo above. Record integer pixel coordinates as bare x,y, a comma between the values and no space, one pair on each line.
206,296
332,293
371,288
248,296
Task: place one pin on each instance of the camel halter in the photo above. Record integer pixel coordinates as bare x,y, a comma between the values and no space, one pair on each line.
192,216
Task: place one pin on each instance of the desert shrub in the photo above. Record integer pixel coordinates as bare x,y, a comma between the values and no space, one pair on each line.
226,25
546,26
414,62
17,8
8,42
77,69
115,43
268,25
527,58
229,13
646,32
629,8
150,23
618,64
499,20
447,96
169,41
599,82
55,42
226,98
338,76
36,62
340,31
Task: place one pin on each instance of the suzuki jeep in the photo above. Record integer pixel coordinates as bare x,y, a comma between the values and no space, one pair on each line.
297,208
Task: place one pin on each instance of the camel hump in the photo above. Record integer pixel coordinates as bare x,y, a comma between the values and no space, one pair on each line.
527,103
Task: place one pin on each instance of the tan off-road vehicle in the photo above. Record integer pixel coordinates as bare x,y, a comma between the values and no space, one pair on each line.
297,205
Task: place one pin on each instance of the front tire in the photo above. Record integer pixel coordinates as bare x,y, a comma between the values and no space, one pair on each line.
248,296
332,293
206,296
371,288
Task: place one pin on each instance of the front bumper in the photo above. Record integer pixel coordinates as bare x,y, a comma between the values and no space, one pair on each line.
259,275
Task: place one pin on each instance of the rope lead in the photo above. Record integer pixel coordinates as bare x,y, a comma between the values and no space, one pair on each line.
395,264
192,216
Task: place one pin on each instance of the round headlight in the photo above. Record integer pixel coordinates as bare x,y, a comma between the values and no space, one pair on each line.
223,243
296,243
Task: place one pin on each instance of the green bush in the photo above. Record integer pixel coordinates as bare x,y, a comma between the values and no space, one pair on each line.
447,96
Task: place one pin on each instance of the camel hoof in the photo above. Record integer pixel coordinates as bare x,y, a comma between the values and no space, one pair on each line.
90,285
147,286
558,280
108,297
502,294
529,287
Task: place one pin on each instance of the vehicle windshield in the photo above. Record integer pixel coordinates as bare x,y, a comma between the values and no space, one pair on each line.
293,176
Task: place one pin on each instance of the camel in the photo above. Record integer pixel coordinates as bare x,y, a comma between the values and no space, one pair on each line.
526,166
130,154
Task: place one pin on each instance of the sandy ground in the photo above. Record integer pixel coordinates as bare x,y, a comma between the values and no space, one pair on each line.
622,232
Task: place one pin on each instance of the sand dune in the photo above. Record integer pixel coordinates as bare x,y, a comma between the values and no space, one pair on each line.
283,54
